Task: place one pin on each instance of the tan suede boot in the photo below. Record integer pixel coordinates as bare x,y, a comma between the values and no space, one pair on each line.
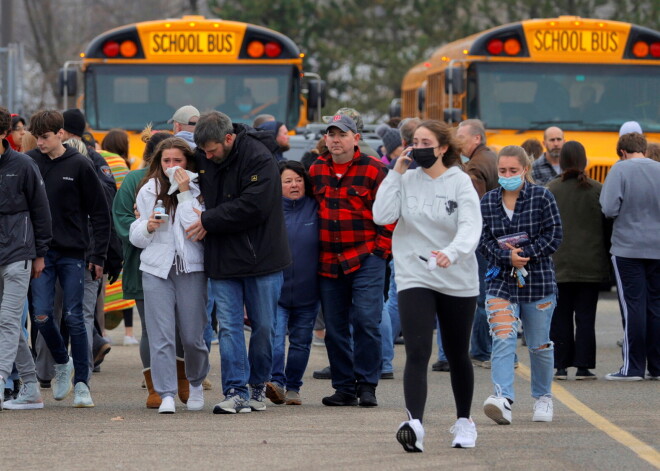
153,400
182,382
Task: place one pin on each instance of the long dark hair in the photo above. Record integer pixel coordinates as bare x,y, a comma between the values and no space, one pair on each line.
443,133
156,171
573,161
299,168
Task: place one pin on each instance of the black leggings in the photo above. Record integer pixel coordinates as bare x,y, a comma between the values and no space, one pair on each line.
418,308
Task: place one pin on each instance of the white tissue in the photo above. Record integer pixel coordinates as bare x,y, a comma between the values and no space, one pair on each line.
174,185
431,264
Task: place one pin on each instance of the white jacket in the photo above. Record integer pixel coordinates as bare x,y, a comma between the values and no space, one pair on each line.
161,246
440,213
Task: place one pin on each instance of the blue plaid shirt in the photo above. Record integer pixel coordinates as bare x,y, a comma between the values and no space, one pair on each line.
536,213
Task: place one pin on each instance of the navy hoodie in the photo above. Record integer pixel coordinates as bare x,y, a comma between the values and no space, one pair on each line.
74,195
301,285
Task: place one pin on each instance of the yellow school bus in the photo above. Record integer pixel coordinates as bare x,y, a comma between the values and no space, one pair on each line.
143,72
586,76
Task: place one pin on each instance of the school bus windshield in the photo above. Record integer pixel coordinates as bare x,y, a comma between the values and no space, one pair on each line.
128,96
574,96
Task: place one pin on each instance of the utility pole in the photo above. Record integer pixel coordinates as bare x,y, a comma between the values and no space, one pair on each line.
6,22
6,7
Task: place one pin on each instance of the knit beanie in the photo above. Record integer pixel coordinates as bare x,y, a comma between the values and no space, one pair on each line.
390,137
74,122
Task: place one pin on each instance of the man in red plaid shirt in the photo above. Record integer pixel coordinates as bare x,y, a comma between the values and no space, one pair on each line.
352,263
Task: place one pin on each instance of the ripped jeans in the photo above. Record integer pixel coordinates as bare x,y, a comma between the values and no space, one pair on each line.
503,320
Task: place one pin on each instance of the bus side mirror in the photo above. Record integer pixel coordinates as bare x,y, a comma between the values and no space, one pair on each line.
395,108
315,98
454,79
452,115
67,79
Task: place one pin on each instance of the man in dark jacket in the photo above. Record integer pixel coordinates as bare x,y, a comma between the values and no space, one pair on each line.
482,168
245,250
25,232
75,196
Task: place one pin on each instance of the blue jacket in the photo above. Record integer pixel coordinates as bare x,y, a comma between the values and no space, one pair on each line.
301,286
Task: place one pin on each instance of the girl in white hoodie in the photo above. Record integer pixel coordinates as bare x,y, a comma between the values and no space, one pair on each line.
172,273
433,245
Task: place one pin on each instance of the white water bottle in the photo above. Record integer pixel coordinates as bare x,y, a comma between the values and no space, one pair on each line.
161,215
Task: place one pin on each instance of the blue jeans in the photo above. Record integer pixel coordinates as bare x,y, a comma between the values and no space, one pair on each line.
438,340
299,322
208,330
536,317
390,326
357,299
71,274
259,295
481,344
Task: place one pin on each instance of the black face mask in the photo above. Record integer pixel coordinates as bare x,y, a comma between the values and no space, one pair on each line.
424,156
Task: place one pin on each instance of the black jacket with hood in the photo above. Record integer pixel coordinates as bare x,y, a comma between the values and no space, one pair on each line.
75,193
243,217
25,224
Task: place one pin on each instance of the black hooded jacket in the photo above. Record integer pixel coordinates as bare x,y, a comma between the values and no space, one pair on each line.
74,194
25,224
243,217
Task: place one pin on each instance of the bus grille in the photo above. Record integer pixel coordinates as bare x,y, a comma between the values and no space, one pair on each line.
599,172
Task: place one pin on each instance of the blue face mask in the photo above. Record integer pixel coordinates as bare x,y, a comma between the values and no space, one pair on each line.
511,183
244,108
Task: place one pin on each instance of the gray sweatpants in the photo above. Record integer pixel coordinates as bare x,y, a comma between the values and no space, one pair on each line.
14,283
178,301
45,362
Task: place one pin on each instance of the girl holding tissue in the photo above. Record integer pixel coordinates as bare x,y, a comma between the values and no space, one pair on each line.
433,245
521,230
172,268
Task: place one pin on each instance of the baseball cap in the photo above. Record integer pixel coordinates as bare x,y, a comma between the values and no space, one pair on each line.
342,122
351,113
184,114
630,126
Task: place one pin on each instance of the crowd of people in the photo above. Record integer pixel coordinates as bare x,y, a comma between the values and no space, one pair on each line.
432,232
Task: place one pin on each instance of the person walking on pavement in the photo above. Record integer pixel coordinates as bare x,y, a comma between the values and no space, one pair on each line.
439,222
521,230
353,254
629,196
245,251
25,231
581,264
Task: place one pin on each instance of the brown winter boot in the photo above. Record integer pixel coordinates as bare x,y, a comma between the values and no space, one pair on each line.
153,400
182,382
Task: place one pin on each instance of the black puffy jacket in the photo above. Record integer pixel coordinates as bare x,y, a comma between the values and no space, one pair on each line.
243,217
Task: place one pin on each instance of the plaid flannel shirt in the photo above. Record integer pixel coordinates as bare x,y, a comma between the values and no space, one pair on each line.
542,170
536,213
348,233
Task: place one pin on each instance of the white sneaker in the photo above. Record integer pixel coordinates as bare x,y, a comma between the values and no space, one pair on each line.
63,376
29,398
411,435
129,340
543,409
82,396
465,433
167,405
196,398
498,409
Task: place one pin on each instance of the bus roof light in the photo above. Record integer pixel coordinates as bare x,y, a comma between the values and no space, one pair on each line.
640,49
495,47
128,49
255,49
273,49
512,47
111,49
655,49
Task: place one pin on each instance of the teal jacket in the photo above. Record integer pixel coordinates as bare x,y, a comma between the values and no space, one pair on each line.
123,216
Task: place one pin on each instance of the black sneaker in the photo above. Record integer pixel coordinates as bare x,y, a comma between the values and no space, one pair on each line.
561,374
440,366
100,353
322,374
584,373
367,396
44,383
387,375
339,399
